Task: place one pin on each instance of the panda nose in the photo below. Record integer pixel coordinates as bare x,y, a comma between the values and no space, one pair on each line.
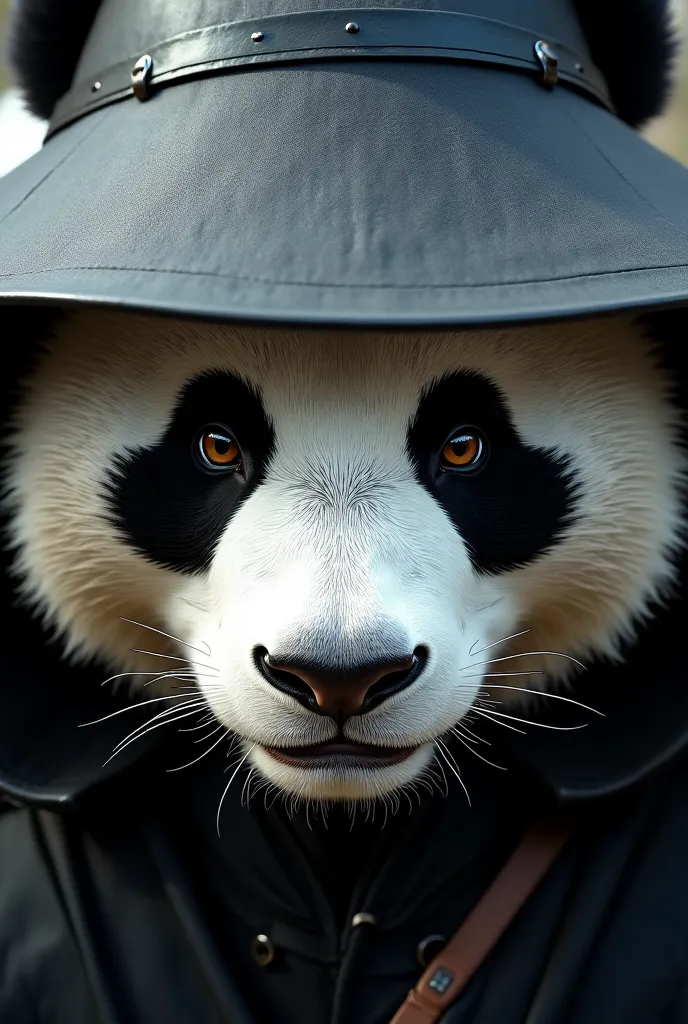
337,693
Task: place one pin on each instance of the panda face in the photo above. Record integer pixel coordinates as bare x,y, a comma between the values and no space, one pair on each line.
344,531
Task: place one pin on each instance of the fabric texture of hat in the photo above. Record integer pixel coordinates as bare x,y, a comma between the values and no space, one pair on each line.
373,165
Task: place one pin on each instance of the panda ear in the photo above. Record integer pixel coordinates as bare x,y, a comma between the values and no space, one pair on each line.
45,39
634,44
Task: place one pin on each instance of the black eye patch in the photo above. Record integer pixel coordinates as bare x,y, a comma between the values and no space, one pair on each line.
162,500
518,503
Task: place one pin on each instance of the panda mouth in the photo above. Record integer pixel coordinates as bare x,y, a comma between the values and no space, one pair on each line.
339,754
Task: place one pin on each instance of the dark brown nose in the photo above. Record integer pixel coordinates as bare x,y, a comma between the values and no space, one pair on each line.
337,693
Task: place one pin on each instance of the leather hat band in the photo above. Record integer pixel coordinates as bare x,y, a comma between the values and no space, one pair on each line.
345,34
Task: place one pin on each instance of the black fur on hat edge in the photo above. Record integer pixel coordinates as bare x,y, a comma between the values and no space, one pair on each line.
634,44
631,41
44,41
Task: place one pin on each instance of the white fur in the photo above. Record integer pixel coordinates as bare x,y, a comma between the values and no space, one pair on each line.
341,537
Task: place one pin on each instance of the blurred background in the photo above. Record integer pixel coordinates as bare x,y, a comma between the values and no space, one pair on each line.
21,136
671,131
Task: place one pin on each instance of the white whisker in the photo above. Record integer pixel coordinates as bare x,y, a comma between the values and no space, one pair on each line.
551,696
496,643
172,674
526,654
469,739
201,725
213,732
461,740
143,625
133,707
208,751
217,820
171,657
168,713
527,721
187,680
465,729
166,721
442,749
496,675
444,777
183,676
485,714
246,789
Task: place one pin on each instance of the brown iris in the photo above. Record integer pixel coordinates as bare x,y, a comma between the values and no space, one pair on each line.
463,450
219,449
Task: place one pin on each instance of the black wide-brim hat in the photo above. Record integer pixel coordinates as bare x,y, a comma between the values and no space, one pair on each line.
364,166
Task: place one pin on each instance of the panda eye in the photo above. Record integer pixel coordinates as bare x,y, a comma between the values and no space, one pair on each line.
217,449
464,450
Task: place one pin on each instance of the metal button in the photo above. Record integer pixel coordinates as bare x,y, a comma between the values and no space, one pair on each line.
428,948
96,86
257,37
363,918
352,27
262,950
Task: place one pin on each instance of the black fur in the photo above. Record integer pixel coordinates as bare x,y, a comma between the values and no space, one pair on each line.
169,507
632,42
516,506
634,45
45,39
508,512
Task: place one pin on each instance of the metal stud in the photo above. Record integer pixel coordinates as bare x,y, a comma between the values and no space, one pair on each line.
96,86
257,37
262,950
441,980
140,76
363,918
549,60
429,948
352,28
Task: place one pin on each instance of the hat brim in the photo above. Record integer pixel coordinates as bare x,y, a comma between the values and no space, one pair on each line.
353,192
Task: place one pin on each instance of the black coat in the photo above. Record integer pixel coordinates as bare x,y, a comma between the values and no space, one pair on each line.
132,912
119,904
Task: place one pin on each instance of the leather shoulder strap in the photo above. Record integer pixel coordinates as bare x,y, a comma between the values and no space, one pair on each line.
449,972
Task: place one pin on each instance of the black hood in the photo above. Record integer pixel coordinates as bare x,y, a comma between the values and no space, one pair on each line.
47,758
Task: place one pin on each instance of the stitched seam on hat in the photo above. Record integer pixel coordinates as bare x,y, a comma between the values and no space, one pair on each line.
353,287
52,170
621,175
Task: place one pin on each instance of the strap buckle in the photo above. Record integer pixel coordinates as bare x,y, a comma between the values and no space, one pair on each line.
140,77
549,61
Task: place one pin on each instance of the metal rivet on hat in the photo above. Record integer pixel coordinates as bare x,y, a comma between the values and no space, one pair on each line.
428,949
549,60
257,37
362,918
352,27
579,68
262,950
140,76
96,86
